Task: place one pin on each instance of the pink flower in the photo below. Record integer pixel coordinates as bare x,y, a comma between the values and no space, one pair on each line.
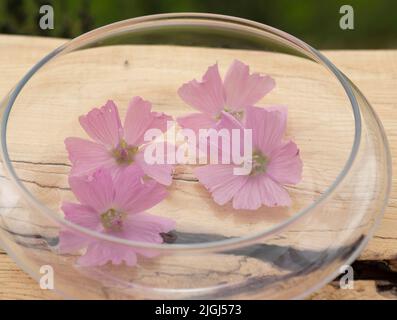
114,206
275,162
211,96
117,147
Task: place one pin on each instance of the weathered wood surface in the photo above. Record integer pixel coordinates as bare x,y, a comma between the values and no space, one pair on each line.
375,73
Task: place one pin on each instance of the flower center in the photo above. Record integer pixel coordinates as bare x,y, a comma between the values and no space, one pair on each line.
112,220
237,114
259,163
124,153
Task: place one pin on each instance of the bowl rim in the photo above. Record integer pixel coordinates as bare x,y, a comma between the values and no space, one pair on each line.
240,23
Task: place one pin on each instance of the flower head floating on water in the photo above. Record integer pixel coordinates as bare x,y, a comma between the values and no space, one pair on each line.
212,96
114,206
275,162
115,146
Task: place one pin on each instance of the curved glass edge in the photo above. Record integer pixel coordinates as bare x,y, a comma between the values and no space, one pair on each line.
209,246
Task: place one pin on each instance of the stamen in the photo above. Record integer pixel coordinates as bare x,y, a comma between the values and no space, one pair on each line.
237,114
124,153
259,163
112,220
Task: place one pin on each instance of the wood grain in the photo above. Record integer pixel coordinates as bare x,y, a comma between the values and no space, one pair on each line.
374,72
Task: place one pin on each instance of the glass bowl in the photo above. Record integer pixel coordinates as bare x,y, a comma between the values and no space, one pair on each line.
215,251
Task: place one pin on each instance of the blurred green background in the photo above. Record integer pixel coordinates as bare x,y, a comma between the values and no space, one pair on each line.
314,21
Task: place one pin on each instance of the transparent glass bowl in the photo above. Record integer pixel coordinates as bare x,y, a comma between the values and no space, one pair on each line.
219,252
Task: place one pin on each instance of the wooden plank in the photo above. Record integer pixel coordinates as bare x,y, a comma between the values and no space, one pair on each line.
362,290
375,72
16,284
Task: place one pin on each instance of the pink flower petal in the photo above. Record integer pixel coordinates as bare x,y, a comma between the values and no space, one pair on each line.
219,144
220,181
72,241
273,194
261,190
161,172
283,110
140,227
103,125
132,195
244,89
196,121
280,108
101,252
285,165
268,128
225,145
95,191
132,169
87,156
231,124
146,227
206,96
82,215
249,196
139,119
